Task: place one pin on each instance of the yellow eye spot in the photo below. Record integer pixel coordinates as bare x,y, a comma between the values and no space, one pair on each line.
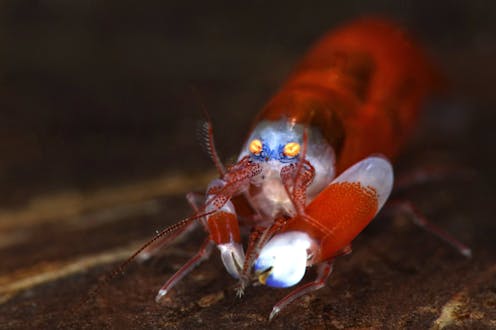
262,278
292,149
256,147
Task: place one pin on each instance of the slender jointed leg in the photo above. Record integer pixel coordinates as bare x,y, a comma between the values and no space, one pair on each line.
258,238
324,271
428,174
255,235
202,255
344,251
420,220
195,200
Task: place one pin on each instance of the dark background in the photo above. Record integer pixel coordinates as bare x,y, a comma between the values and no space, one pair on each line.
98,94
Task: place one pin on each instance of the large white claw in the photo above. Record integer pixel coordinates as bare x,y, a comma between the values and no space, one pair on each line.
375,172
283,260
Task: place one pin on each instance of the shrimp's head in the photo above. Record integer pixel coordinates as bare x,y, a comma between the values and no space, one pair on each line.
274,145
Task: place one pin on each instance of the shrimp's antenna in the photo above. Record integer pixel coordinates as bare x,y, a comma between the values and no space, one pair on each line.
164,232
206,135
106,278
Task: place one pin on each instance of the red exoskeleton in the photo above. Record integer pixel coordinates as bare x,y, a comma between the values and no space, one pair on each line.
315,169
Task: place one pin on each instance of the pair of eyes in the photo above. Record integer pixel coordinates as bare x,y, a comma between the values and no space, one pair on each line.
291,149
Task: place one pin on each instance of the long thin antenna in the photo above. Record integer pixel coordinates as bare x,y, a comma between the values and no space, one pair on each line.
120,268
207,134
164,232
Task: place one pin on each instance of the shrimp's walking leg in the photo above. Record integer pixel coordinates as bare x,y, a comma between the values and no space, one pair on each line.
258,238
202,255
255,236
420,220
195,200
324,271
428,174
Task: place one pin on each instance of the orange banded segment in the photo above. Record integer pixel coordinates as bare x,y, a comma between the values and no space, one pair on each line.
223,227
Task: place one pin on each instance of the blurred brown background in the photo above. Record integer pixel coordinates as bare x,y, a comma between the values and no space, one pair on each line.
97,111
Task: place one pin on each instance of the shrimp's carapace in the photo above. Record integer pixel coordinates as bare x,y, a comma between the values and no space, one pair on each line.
362,85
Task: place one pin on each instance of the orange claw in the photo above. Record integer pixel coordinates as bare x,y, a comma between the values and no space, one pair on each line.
344,209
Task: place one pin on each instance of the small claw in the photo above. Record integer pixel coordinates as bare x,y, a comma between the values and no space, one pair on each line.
232,256
240,290
161,293
466,252
274,313
242,283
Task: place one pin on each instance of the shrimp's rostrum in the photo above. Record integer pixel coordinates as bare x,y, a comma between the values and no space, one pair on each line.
315,169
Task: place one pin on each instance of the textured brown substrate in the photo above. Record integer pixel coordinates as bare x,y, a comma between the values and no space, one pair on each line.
98,148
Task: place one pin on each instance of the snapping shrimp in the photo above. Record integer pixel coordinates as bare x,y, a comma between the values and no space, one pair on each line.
316,167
